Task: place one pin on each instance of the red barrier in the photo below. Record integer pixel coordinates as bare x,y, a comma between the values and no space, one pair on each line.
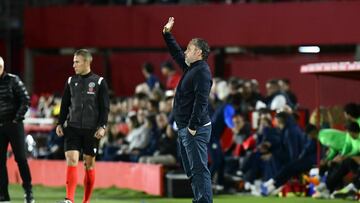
38,128
142,177
330,22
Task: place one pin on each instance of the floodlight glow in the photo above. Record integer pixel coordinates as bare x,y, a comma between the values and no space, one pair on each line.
309,49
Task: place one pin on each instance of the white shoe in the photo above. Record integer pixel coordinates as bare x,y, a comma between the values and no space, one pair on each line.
321,195
65,201
269,189
321,187
255,191
29,198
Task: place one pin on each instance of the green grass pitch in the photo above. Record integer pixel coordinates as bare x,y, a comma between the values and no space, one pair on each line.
112,195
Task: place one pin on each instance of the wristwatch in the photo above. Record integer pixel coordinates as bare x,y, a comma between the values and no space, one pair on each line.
103,126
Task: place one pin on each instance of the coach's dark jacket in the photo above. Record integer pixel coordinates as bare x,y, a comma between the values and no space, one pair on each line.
14,99
85,103
192,93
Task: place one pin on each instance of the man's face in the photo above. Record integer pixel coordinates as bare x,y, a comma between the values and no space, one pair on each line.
1,66
270,89
165,71
192,54
283,85
238,122
279,123
161,121
81,66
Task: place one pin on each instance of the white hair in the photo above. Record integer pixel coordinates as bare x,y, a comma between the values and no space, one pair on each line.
222,90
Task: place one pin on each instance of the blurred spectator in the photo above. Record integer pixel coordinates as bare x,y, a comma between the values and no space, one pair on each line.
255,86
324,120
55,146
275,99
152,107
219,92
249,98
112,143
352,112
150,79
306,160
285,88
166,153
235,85
165,106
343,157
172,77
241,131
137,139
268,142
292,137
140,101
114,111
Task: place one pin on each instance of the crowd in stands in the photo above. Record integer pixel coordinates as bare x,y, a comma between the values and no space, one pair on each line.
257,143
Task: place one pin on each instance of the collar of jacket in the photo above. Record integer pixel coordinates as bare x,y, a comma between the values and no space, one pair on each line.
196,63
87,75
3,75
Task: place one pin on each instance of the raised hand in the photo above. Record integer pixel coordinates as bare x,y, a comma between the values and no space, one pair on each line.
169,25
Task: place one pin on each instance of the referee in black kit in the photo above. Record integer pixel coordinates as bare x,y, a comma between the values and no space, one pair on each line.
14,102
83,117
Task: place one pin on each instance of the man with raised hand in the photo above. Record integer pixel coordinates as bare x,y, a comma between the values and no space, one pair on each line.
191,111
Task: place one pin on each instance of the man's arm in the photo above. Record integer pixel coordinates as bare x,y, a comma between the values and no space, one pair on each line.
174,49
65,104
103,109
202,84
103,104
22,94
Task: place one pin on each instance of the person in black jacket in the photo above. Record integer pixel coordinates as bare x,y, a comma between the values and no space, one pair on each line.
14,102
83,118
191,111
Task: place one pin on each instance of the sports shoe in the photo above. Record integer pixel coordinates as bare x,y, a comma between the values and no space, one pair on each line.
255,191
65,201
321,195
348,192
4,198
29,198
267,190
267,187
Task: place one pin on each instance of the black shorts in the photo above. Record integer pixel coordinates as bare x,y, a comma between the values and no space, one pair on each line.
82,140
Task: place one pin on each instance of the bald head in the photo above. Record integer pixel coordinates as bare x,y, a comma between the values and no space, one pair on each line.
1,65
